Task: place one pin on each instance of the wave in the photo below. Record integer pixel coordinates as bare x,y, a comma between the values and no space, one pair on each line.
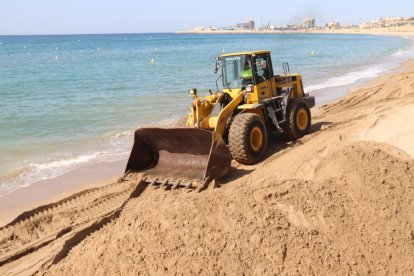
112,147
404,53
66,163
33,172
349,78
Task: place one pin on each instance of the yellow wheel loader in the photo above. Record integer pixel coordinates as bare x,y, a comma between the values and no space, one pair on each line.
234,123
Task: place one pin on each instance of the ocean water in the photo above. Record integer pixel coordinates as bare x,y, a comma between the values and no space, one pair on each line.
74,100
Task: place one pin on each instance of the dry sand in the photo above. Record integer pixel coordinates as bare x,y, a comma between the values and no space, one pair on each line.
338,201
407,30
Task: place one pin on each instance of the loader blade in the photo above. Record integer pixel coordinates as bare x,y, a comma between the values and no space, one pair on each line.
179,153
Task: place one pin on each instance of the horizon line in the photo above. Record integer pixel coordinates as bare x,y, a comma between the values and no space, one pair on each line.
57,34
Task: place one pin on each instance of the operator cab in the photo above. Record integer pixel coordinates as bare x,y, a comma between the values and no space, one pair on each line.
242,69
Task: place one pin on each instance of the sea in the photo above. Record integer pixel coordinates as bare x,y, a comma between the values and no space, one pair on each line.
69,101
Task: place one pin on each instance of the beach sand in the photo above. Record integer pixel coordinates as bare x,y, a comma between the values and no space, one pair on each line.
407,30
338,201
51,190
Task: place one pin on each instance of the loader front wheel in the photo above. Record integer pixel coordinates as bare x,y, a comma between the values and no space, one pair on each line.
247,138
298,119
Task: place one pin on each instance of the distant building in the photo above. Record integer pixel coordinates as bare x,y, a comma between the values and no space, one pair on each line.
290,27
214,29
199,29
332,25
394,21
249,25
242,26
309,23
387,22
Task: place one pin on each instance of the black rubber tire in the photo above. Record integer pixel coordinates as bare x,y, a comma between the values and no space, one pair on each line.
240,134
291,127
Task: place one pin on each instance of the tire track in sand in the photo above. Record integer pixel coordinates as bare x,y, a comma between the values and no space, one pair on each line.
108,204
37,228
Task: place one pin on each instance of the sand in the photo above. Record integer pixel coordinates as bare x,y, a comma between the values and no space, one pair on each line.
338,201
407,30
51,190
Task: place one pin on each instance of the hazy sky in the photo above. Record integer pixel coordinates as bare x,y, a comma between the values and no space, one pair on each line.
134,16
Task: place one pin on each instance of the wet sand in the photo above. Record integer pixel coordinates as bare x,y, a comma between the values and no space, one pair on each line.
51,190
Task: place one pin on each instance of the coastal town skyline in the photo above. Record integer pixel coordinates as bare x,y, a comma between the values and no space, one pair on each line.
79,17
308,23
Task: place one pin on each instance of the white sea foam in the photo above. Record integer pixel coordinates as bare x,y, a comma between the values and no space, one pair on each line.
366,73
113,149
172,121
399,53
121,134
347,79
404,53
65,163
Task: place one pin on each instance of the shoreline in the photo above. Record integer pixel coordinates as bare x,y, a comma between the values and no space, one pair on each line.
343,90
101,174
397,31
51,190
14,203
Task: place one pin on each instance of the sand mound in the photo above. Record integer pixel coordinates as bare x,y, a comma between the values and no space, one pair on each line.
367,162
355,217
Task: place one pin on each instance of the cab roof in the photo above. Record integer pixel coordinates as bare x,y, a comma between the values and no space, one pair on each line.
247,53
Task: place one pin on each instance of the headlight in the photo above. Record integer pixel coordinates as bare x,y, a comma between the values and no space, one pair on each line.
249,89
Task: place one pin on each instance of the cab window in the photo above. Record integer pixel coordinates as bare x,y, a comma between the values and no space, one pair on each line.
232,71
262,67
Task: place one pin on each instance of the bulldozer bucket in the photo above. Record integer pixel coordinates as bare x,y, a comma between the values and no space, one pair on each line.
179,153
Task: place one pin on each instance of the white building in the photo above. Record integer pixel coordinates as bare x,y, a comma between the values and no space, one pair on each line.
309,23
199,29
249,25
332,25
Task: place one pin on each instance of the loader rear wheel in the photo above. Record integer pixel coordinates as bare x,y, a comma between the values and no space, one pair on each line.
247,138
298,119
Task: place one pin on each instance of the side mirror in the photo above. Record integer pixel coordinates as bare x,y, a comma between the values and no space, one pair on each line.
216,66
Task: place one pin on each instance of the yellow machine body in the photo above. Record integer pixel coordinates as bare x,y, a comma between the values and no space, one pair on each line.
202,150
248,101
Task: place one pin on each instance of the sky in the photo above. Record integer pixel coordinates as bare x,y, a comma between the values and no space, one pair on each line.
18,17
